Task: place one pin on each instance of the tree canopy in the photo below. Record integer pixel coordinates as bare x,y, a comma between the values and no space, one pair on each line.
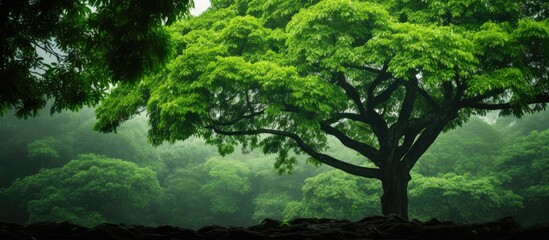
72,51
383,77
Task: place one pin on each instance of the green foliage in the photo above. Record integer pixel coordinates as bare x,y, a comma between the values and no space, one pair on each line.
270,205
332,33
56,140
483,160
461,198
438,53
470,149
245,69
468,12
335,194
71,52
56,208
525,161
128,144
383,77
277,13
229,183
502,151
523,166
182,203
103,189
43,150
515,128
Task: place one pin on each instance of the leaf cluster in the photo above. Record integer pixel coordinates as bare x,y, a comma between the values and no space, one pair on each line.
72,52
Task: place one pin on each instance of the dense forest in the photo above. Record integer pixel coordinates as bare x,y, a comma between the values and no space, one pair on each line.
308,110
55,168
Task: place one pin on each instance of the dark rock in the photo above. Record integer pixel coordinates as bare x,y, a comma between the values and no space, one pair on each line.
503,228
208,228
295,236
376,227
372,219
299,221
270,223
350,227
403,229
108,232
433,222
241,233
215,233
540,231
447,232
182,234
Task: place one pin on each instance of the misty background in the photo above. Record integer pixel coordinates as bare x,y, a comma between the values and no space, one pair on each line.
56,168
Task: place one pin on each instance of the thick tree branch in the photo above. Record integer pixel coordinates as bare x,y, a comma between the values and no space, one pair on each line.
335,117
382,75
390,145
351,92
448,91
386,94
323,158
409,138
484,96
428,98
362,148
415,125
434,124
408,103
461,86
412,147
422,143
379,126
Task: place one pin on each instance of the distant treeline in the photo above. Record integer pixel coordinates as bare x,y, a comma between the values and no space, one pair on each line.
55,168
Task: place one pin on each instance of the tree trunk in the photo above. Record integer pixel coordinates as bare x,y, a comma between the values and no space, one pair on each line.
395,192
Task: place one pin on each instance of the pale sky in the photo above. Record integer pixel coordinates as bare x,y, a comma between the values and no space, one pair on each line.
200,6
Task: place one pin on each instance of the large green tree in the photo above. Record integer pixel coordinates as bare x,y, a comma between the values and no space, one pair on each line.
71,51
383,77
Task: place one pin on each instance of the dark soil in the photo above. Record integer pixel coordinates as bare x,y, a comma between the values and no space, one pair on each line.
376,227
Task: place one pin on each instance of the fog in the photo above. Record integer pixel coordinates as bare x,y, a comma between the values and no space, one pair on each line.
200,6
56,168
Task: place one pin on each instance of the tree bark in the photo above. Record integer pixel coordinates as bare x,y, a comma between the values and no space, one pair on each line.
395,191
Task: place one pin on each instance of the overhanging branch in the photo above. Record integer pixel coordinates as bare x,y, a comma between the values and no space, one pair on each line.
386,94
352,116
469,103
323,158
362,148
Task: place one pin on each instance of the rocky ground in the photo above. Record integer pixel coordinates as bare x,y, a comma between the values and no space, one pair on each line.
375,227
